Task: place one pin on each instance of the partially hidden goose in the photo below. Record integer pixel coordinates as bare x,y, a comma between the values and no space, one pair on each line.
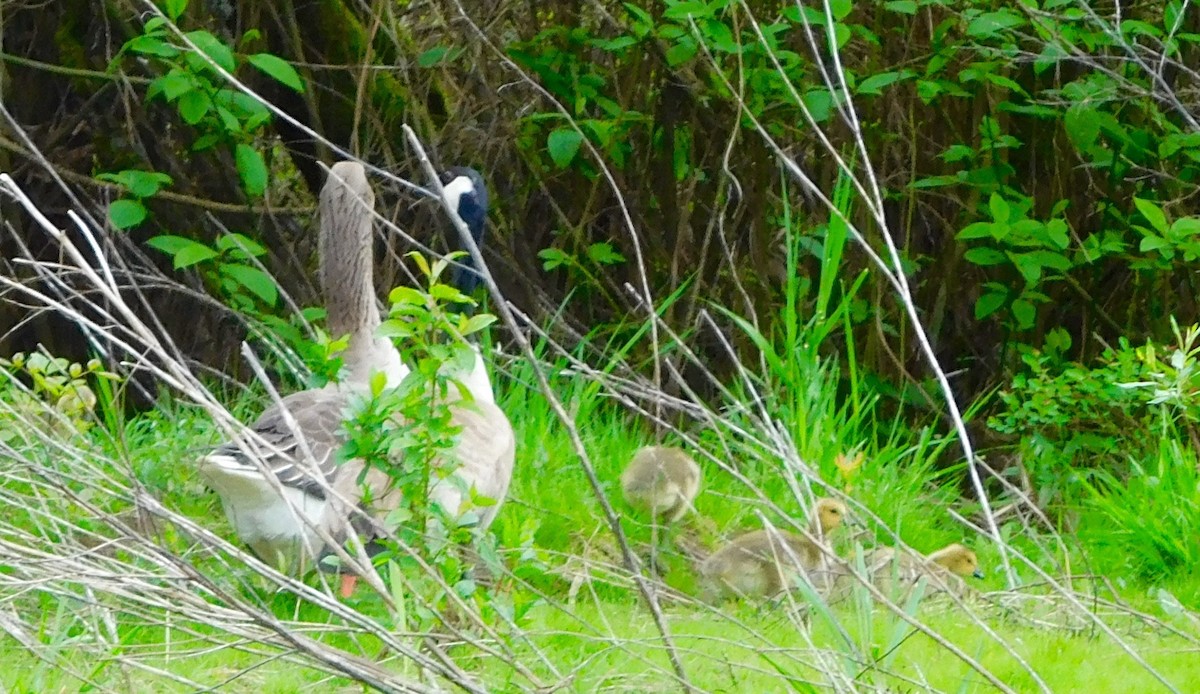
896,573
296,482
766,562
467,194
662,481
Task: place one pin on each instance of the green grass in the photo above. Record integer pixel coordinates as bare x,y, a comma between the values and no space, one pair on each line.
606,639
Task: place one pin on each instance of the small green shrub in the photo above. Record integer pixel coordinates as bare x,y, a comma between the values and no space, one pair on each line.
54,394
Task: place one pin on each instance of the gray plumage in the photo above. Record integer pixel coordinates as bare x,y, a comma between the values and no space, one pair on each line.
291,482
329,492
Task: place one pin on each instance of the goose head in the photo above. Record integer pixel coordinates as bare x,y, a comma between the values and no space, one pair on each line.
958,560
468,196
828,515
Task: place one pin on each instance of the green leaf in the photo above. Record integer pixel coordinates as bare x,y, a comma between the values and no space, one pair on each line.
169,243
397,328
1050,259
978,230
228,120
406,296
1025,313
1184,227
985,256
141,184
614,45
643,21
1153,214
935,182
1083,126
988,304
1150,242
152,45
174,8
819,103
445,293
901,6
257,119
191,254
1029,267
1056,230
998,206
205,141
277,68
841,35
172,85
840,8
552,258
125,214
252,170
989,24
563,144
193,106
604,254
682,10
254,279
719,37
240,244
957,153
476,323
421,262
433,56
875,83
683,51
1058,340
212,47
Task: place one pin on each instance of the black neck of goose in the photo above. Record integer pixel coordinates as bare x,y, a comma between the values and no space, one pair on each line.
465,275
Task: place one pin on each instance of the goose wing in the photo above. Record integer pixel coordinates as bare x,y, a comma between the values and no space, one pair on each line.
317,416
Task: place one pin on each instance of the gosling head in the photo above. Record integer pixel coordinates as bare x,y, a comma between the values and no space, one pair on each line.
957,560
829,515
467,194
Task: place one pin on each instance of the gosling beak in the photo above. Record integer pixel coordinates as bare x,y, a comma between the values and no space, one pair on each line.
978,573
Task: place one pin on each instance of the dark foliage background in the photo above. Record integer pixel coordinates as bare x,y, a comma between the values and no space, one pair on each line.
1061,114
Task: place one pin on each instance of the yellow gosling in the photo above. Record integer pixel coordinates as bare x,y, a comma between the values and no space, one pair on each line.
896,573
662,481
764,562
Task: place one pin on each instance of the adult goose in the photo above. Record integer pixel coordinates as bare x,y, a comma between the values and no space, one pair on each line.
467,194
284,489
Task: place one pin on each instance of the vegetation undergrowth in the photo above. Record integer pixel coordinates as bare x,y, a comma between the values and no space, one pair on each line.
551,516
1134,532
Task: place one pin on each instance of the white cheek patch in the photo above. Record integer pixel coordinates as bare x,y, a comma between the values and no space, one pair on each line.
454,190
